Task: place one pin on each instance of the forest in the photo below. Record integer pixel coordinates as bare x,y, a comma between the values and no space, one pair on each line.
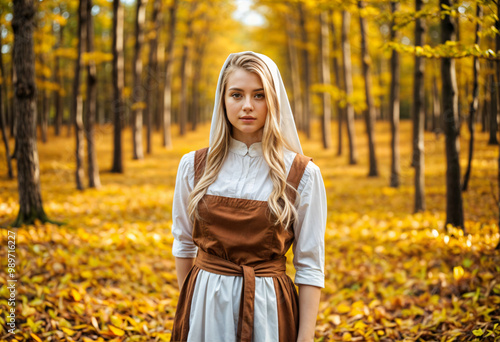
397,102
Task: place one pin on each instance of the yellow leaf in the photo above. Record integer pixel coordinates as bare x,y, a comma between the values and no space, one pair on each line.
347,337
116,331
343,308
68,331
76,295
36,338
458,272
478,332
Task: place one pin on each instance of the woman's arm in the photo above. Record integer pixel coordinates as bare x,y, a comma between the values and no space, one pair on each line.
182,266
308,311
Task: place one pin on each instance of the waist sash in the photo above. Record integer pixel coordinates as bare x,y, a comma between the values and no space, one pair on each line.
270,268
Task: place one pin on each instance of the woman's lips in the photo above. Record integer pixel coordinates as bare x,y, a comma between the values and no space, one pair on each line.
247,118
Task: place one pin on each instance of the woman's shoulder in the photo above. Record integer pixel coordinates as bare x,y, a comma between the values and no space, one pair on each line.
186,164
311,171
311,167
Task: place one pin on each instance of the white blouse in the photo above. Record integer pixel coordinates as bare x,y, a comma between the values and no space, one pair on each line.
244,174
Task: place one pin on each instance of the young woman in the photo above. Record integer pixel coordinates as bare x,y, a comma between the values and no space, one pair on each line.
238,207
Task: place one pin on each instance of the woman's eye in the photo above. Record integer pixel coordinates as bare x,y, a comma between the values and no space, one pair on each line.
236,95
259,96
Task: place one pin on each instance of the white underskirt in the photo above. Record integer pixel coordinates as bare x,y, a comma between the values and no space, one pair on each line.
215,309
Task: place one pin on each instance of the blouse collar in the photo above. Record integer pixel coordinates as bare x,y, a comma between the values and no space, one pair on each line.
240,148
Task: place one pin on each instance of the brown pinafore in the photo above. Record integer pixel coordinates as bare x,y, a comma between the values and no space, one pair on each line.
236,237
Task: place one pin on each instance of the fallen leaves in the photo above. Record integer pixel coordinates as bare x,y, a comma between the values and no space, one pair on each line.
108,275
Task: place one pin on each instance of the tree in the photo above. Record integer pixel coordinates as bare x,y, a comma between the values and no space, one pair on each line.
3,124
184,71
370,110
294,68
198,58
44,115
167,92
118,107
436,107
338,76
77,96
152,71
394,102
325,79
346,59
306,73
93,168
28,171
3,88
58,103
419,114
497,96
454,207
475,100
137,94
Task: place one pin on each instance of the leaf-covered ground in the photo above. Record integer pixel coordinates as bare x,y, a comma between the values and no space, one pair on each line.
108,274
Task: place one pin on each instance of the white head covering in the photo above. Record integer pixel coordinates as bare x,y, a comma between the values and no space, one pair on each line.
287,124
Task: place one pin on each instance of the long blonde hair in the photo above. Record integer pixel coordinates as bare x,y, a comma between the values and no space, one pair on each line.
273,142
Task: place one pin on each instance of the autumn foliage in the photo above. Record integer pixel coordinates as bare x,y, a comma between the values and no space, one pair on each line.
108,274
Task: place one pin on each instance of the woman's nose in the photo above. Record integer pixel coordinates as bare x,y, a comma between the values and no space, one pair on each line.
247,105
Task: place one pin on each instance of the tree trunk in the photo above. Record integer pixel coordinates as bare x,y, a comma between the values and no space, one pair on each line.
436,107
118,105
28,170
454,207
370,111
475,100
394,106
57,93
44,115
3,88
346,62
418,160
338,81
13,121
197,72
494,105
486,105
325,79
4,135
183,113
380,112
138,91
458,72
167,90
497,96
294,70
93,168
152,79
77,96
306,73
3,123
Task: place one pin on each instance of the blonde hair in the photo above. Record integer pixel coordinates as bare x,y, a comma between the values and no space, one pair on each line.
273,142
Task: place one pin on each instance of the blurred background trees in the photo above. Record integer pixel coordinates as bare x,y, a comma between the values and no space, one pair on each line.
152,67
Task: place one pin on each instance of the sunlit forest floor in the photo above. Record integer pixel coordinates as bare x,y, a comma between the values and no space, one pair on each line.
108,274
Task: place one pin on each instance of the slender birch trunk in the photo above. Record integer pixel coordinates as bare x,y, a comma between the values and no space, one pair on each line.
454,206
394,105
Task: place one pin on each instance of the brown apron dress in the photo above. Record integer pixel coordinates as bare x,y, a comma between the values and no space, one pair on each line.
235,237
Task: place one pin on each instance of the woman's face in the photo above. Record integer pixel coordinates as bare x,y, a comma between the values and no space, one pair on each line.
246,106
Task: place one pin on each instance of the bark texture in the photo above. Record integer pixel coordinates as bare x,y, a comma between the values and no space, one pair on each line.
394,104
28,170
454,206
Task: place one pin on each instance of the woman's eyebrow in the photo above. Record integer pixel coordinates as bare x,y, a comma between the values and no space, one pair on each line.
239,89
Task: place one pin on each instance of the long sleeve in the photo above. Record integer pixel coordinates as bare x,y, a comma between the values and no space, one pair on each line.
309,245
182,228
